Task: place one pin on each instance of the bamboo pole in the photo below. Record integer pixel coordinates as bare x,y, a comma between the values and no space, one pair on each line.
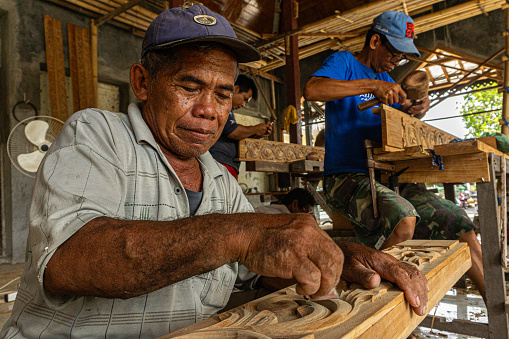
273,115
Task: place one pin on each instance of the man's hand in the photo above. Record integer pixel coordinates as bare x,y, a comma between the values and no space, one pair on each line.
389,93
261,130
417,108
293,246
366,266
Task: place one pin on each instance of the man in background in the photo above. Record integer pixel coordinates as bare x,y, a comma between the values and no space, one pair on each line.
297,200
227,146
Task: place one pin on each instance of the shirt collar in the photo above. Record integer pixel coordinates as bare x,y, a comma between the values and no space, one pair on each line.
143,134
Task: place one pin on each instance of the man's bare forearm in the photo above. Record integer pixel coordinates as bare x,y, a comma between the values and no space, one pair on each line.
325,89
125,258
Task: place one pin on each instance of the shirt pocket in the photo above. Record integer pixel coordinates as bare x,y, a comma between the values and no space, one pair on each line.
218,286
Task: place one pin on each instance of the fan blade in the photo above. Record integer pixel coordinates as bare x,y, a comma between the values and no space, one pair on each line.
30,161
35,132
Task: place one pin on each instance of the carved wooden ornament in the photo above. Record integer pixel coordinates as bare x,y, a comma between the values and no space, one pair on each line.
265,150
357,313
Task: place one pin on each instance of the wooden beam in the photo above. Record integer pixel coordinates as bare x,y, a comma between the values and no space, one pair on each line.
465,147
292,68
407,153
267,166
261,74
117,11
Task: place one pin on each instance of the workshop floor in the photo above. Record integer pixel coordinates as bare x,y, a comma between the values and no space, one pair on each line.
458,303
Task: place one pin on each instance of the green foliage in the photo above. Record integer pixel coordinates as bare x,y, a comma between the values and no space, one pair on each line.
478,124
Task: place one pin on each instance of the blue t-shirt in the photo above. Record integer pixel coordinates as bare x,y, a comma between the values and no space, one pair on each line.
226,149
346,126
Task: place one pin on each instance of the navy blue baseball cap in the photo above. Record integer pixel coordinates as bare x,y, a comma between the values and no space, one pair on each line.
398,28
177,26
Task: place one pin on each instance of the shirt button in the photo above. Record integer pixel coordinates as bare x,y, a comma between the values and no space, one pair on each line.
178,190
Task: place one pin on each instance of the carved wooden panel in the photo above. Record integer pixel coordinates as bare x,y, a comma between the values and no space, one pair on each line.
266,150
400,130
357,313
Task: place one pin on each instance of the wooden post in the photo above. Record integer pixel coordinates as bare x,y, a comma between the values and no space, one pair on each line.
292,67
449,192
307,114
274,136
505,105
93,57
491,254
503,210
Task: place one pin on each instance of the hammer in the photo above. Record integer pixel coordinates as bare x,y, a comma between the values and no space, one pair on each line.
415,85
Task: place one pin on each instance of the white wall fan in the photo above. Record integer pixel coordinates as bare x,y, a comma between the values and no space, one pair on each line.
29,141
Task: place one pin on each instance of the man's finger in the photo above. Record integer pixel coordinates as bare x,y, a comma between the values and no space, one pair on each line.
414,285
330,270
308,278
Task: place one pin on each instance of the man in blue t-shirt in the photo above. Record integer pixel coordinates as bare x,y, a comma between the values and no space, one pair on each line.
343,82
226,147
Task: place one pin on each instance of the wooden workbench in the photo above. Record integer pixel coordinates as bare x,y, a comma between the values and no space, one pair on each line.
407,143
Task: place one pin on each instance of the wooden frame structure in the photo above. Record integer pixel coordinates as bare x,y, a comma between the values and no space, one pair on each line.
471,161
382,312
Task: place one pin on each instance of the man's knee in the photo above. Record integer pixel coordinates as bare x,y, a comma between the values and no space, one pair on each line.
405,228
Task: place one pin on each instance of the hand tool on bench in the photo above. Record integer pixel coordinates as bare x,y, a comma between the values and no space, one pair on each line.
415,85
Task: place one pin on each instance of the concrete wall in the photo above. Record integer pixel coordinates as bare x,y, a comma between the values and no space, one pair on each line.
22,65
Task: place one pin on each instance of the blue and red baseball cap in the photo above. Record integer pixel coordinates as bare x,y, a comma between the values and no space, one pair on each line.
398,28
177,26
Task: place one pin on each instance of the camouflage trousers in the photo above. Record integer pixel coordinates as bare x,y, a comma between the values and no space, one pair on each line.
437,218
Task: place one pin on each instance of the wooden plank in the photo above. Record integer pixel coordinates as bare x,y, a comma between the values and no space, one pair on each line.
493,271
56,70
306,166
87,66
380,165
465,147
82,93
266,150
458,169
357,313
401,130
73,65
93,55
413,152
490,141
266,166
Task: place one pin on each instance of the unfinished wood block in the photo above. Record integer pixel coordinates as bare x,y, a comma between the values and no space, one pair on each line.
381,312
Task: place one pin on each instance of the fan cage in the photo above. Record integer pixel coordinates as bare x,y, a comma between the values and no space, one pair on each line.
17,143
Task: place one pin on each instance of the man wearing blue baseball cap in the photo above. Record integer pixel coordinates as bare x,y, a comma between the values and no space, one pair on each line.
136,231
343,82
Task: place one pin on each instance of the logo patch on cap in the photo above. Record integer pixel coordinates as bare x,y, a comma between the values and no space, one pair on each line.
409,33
206,20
